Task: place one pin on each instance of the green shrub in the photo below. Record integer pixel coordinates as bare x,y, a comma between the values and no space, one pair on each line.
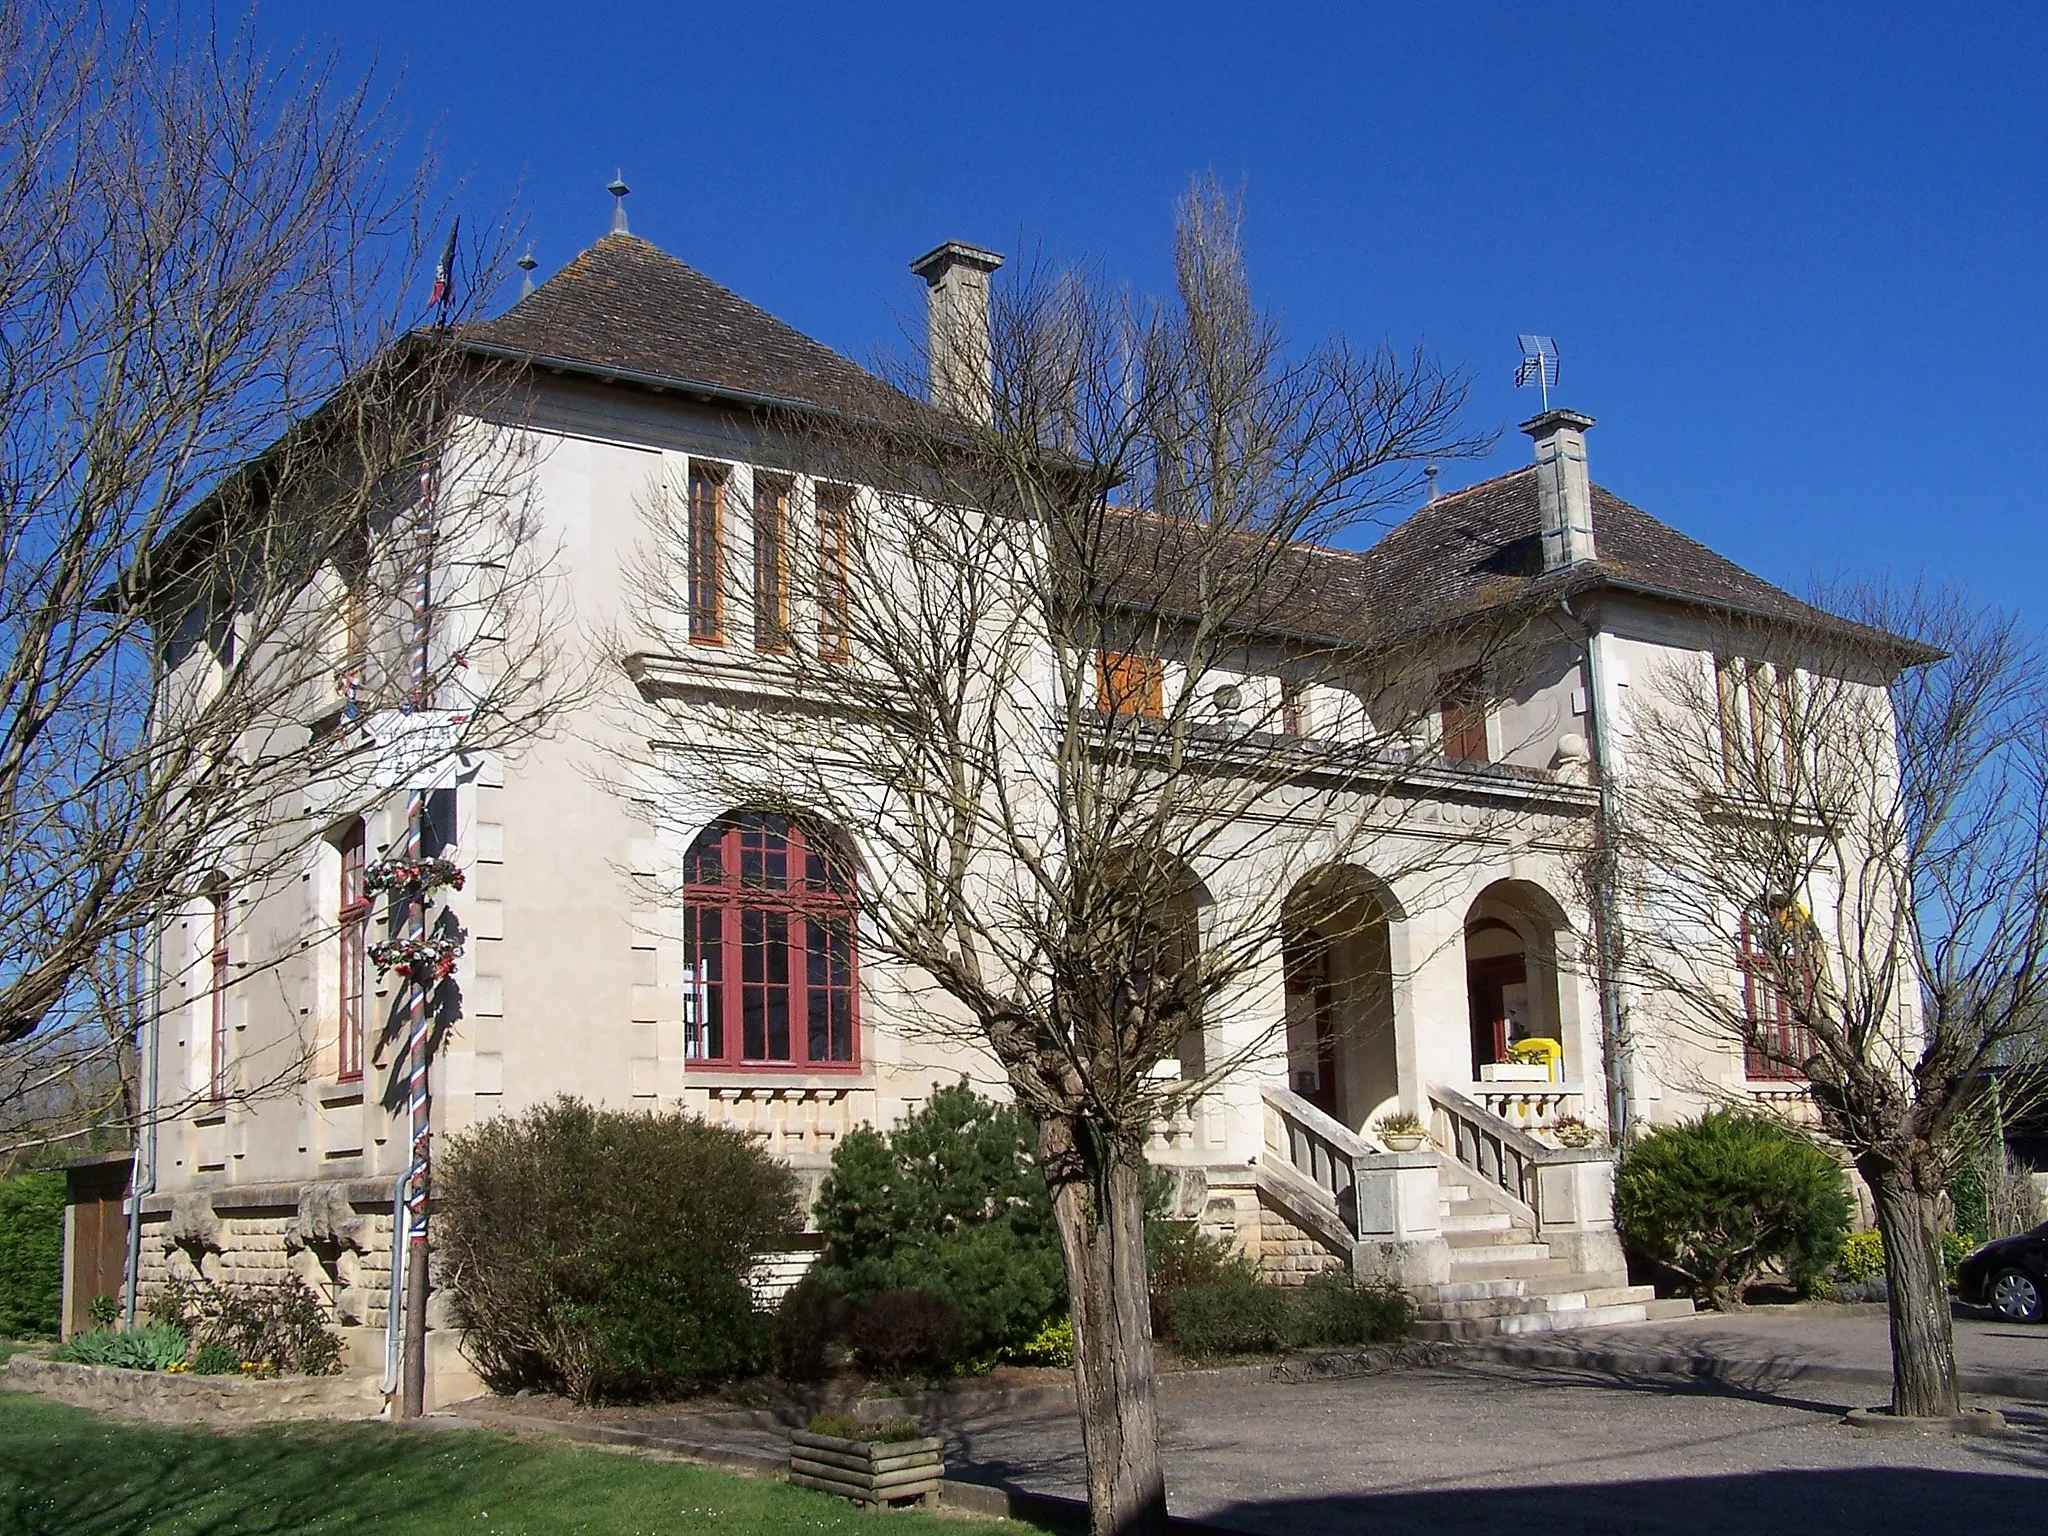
840,1425
952,1204
810,1317
280,1328
214,1360
1721,1199
1955,1247
1052,1345
1234,1314
155,1347
1862,1256
902,1333
1334,1309
605,1253
1179,1254
31,1255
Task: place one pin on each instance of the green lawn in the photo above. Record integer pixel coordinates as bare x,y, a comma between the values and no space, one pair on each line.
67,1472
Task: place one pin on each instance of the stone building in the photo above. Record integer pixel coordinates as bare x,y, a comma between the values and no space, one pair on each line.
634,369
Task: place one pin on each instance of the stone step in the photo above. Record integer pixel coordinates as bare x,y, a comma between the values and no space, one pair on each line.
1465,1239
1508,1260
1476,1221
1575,1317
1451,1328
1574,1280
1478,1290
1671,1306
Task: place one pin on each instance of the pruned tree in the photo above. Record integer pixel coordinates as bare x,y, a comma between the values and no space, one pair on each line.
229,432
1060,663
1837,850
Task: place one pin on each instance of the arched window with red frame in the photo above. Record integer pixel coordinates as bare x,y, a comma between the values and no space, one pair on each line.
771,973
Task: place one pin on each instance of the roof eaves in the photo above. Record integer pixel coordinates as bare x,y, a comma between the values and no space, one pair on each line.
608,373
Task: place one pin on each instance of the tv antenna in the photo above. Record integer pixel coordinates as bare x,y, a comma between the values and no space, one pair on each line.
1538,366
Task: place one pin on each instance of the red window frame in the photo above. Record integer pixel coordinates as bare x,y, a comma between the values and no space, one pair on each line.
771,589
1767,1013
1131,683
707,520
217,990
1292,719
353,937
770,951
1461,707
834,503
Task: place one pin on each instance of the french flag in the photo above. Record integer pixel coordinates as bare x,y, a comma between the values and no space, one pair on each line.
444,272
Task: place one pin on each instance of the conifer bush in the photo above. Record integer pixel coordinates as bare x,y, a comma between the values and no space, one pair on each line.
950,1204
31,1254
1722,1200
606,1254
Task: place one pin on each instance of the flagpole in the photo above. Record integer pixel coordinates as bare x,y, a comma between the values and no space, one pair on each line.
418,1056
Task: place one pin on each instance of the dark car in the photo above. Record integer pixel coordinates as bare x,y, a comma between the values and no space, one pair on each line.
2010,1276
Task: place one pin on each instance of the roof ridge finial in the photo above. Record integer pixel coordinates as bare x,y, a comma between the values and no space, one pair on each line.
526,264
618,190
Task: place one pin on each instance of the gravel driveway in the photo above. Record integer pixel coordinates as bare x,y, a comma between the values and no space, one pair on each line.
1545,1450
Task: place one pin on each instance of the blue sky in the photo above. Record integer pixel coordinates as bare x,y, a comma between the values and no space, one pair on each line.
1793,256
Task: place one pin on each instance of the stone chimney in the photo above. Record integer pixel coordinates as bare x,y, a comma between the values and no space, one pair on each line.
1564,493
957,348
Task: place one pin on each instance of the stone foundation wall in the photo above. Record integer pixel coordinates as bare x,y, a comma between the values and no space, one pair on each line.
164,1398
328,1235
1288,1255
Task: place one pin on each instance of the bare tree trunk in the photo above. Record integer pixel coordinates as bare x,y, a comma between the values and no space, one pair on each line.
1098,1203
1923,1333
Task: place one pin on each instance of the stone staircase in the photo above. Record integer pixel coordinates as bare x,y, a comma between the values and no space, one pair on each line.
1503,1281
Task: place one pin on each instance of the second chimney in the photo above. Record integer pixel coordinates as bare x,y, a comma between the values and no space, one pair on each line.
957,349
1564,492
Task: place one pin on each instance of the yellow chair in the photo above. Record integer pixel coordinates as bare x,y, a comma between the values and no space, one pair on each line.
1540,1050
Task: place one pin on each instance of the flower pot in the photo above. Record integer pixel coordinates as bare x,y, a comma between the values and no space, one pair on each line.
1409,1141
875,1473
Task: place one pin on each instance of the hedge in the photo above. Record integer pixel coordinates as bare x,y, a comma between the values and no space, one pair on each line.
31,1255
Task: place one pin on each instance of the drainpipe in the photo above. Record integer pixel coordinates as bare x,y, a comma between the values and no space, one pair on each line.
1606,905
152,1030
394,1305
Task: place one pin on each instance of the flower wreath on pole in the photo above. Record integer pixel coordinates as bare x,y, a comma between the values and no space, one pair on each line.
409,877
421,961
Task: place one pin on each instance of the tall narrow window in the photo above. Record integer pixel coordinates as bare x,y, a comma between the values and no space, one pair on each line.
222,901
1131,683
1291,716
1776,1042
707,515
1461,705
353,936
771,533
757,889
1757,704
835,504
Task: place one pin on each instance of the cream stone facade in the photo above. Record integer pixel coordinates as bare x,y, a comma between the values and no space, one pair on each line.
1472,937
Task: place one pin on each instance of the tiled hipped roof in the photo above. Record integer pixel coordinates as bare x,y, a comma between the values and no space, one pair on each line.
629,308
1476,549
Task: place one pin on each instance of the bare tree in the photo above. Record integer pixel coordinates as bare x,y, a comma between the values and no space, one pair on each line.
229,438
1047,660
1838,852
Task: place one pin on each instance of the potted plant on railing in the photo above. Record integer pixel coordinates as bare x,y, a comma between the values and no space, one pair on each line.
1571,1131
1400,1131
872,1463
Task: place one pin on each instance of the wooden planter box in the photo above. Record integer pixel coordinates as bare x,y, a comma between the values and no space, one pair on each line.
870,1472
